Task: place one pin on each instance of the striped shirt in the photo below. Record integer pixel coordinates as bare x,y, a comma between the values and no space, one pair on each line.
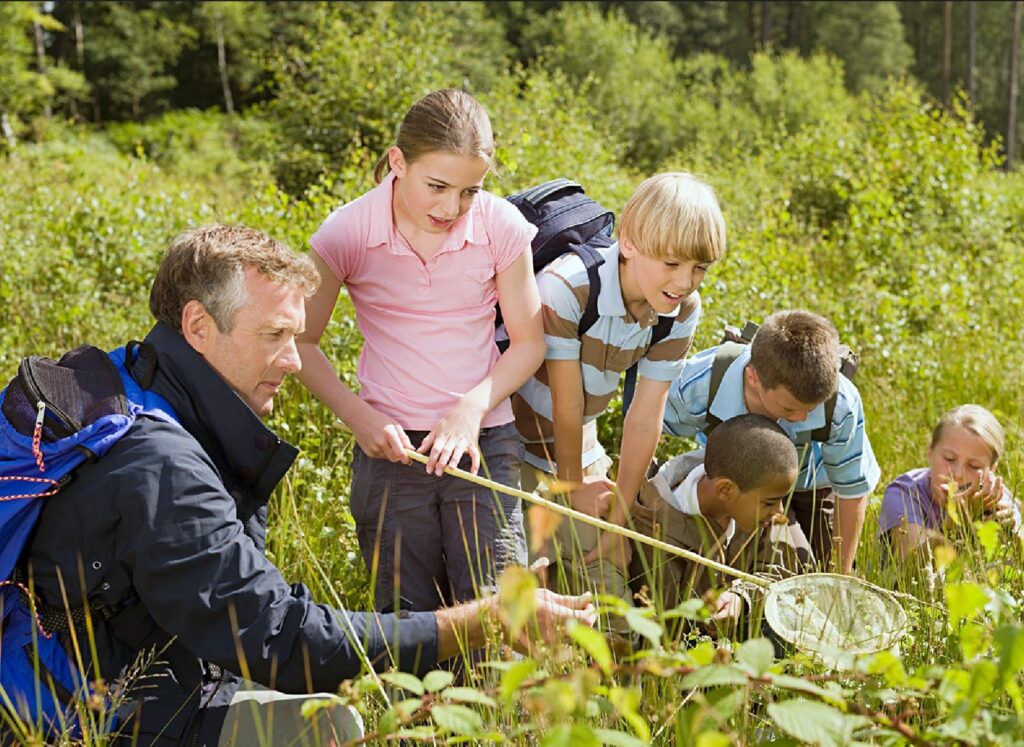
845,462
614,343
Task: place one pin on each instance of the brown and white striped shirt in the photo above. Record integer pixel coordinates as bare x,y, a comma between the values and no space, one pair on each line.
614,343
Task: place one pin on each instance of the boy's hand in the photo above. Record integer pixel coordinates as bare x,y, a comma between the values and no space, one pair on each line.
551,614
593,496
455,435
381,437
727,612
613,548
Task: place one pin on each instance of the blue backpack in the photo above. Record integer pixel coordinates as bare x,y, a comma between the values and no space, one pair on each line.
54,415
569,221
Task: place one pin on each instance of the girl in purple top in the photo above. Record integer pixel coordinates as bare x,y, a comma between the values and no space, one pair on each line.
964,451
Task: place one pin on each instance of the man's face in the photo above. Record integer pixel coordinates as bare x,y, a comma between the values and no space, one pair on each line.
777,403
752,508
260,349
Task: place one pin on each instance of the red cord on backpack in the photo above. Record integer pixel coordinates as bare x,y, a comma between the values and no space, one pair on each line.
37,436
55,486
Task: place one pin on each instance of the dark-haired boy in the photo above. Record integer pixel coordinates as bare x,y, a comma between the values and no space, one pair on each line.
719,503
790,373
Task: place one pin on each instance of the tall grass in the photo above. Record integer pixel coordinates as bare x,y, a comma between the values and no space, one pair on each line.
890,218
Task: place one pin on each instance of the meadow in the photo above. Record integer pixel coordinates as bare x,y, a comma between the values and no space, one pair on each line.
884,211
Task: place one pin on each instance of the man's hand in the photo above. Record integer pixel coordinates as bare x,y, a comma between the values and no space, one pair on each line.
553,612
613,548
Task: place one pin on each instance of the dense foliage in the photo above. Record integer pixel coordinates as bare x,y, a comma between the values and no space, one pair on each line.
878,207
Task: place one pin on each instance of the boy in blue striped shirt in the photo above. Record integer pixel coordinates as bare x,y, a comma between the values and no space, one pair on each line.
790,373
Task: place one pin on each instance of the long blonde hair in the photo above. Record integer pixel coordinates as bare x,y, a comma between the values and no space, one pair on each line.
448,120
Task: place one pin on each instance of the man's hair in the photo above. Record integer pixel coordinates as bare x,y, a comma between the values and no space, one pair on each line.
978,421
749,450
208,265
800,351
676,215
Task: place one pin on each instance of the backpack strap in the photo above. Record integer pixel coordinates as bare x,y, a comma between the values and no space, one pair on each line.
822,434
662,329
726,354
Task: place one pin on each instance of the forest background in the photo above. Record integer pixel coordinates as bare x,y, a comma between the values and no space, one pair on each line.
864,154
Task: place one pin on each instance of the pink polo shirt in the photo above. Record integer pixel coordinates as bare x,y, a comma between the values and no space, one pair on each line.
428,328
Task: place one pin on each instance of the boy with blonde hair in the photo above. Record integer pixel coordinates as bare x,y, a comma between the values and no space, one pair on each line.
790,373
671,231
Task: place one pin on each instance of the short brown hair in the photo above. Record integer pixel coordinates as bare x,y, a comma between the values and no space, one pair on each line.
750,450
449,120
800,351
978,421
208,265
676,215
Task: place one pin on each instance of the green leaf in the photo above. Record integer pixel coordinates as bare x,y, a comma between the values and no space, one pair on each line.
756,655
618,738
312,706
713,739
437,680
1010,644
715,675
814,722
988,536
517,597
457,718
514,676
640,622
795,683
404,680
469,695
577,735
964,601
594,643
690,609
627,701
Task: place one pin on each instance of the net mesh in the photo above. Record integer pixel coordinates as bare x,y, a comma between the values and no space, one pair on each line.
832,615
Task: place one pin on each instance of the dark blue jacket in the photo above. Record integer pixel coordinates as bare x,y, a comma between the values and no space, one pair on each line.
170,528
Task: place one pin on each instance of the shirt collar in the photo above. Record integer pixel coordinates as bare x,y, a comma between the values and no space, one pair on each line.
727,404
467,229
609,300
689,503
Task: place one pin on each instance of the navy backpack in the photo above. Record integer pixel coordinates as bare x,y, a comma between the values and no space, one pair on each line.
54,415
569,221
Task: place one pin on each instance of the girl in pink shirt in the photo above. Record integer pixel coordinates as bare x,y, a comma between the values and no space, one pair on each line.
424,257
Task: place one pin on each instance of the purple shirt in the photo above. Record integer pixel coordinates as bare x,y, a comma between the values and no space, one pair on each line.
909,497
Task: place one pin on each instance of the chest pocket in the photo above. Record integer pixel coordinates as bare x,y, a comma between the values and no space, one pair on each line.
478,287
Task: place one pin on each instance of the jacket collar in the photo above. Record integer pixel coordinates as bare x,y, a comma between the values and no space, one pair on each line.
231,434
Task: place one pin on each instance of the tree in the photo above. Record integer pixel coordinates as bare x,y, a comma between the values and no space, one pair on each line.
868,37
1011,125
132,50
24,91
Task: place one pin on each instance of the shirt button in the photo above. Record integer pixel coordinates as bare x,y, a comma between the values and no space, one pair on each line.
262,442
244,473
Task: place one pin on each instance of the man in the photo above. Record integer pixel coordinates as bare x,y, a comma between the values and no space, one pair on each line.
166,532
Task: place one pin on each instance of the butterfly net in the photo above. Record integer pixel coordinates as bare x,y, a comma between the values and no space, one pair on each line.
831,615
